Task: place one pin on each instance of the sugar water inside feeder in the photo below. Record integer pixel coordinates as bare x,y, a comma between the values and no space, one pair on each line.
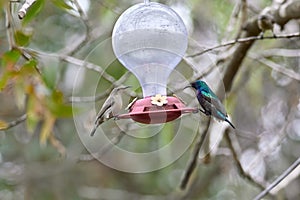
150,39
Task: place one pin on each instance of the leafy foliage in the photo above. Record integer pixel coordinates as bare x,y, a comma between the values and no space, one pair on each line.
33,11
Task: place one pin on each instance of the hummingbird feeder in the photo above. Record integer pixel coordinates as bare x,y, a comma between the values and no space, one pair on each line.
150,39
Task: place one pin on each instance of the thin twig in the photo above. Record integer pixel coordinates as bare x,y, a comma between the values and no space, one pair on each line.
94,156
209,69
72,60
278,180
8,25
87,34
77,62
57,144
270,148
280,52
244,40
15,122
104,94
283,70
244,16
238,163
90,98
194,158
232,20
251,29
23,11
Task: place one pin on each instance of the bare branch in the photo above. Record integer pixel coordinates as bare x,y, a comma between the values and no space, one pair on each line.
82,63
244,17
278,180
57,145
8,25
236,158
87,34
288,72
102,95
15,122
245,40
77,62
114,141
241,8
233,19
209,69
194,157
23,11
280,52
90,98
281,14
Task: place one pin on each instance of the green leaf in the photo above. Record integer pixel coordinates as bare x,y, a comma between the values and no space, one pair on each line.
57,107
21,38
50,75
27,70
29,67
32,116
61,110
10,58
4,79
33,11
62,4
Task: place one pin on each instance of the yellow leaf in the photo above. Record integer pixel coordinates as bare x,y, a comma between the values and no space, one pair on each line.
3,125
47,129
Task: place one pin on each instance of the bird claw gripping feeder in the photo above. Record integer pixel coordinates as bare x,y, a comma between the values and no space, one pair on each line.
150,39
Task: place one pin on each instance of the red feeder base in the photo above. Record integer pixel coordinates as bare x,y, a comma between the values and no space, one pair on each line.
144,112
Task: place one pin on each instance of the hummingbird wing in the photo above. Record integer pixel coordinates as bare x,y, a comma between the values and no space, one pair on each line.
217,107
106,108
103,111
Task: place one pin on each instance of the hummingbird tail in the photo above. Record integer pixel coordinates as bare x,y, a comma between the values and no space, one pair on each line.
229,122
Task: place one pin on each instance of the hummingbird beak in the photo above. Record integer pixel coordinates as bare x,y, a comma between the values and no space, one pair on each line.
126,87
122,88
188,86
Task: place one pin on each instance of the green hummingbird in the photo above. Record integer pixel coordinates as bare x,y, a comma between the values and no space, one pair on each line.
210,102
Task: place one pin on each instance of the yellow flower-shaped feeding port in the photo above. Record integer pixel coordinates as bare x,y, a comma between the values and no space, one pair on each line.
159,100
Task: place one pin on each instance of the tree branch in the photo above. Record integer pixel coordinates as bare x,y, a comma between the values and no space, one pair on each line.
194,157
238,163
283,70
279,52
23,11
72,60
114,141
102,95
281,14
8,25
15,122
87,34
278,180
244,40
